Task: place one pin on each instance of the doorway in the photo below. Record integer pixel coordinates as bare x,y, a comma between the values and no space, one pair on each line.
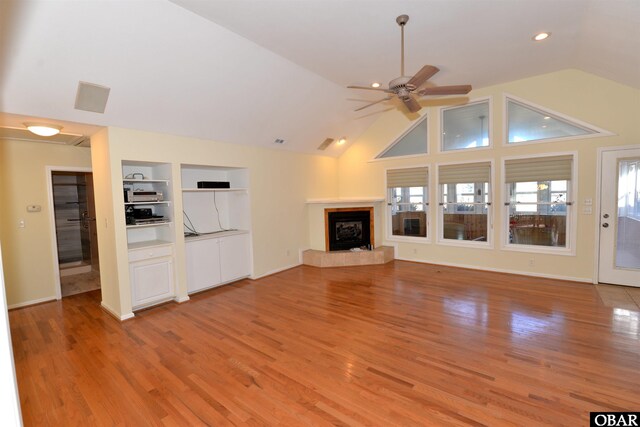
75,231
619,252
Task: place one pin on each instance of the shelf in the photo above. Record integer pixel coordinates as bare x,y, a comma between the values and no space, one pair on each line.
157,224
161,181
164,202
214,235
148,244
210,190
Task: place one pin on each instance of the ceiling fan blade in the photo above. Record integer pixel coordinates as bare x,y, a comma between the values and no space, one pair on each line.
446,90
411,104
379,89
374,103
423,75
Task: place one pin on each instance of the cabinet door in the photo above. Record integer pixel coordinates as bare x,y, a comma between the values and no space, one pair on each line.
203,264
151,281
235,260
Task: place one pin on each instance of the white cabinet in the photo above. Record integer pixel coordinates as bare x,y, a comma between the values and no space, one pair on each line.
203,264
213,260
151,275
235,258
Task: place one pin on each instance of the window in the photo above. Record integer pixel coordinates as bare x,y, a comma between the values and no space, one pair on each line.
539,200
528,123
408,201
412,142
466,126
465,200
629,189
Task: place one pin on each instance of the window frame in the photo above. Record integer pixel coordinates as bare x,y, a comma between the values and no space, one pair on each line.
572,209
440,126
389,236
404,133
599,132
440,240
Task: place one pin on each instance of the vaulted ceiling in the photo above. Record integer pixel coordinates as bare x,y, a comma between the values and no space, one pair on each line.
252,71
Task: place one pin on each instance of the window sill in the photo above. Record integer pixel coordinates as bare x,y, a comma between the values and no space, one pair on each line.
408,239
465,243
550,250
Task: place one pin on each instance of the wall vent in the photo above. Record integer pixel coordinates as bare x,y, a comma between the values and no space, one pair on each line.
327,142
279,141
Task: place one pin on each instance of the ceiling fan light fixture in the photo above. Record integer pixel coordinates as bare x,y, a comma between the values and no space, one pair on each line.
540,36
43,129
342,140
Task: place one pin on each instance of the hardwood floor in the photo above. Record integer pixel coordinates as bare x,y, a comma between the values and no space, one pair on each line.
393,344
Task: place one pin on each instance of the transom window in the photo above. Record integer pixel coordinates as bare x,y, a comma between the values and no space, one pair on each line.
412,142
466,126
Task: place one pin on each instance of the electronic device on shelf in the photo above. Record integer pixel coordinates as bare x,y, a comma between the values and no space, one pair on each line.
137,196
214,184
152,220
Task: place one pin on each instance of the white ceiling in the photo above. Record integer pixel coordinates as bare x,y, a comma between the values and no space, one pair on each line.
250,71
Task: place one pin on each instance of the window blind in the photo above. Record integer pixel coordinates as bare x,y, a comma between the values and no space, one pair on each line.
536,169
465,173
410,177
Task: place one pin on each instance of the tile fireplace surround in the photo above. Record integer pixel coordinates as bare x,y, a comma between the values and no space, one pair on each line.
380,255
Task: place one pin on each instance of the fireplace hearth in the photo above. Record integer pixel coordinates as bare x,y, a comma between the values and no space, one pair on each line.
347,228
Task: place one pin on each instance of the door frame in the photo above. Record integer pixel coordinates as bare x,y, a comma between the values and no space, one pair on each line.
52,220
598,204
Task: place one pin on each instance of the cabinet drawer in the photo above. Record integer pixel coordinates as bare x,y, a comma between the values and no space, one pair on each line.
147,253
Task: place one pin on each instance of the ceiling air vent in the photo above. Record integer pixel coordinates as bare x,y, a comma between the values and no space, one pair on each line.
279,141
92,97
327,142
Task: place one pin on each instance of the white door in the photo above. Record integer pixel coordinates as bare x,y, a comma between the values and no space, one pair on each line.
620,217
235,261
203,264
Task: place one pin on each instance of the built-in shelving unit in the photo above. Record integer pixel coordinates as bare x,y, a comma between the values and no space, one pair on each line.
151,245
217,226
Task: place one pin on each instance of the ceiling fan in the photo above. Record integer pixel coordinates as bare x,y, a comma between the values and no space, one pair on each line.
406,88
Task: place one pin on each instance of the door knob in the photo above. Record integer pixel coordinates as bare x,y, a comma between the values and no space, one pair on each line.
605,216
605,225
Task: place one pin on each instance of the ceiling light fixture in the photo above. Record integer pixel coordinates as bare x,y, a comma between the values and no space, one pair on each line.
375,84
540,36
43,129
342,140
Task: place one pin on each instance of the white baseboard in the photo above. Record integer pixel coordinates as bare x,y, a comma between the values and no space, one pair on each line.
278,270
32,302
115,314
180,300
501,270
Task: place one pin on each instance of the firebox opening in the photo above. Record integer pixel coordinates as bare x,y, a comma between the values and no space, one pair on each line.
348,228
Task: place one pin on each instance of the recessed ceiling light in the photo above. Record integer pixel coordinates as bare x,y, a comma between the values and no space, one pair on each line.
540,36
342,140
43,129
375,84
547,117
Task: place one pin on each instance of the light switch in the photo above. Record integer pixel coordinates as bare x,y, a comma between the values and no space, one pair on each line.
21,223
588,202
34,208
587,210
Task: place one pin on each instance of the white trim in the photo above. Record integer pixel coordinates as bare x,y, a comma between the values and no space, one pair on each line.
422,118
32,302
113,313
489,244
386,209
440,147
346,200
597,206
501,270
180,300
52,220
409,156
272,272
599,132
571,220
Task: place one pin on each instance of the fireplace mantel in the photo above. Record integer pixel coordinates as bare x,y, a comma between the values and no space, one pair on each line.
338,201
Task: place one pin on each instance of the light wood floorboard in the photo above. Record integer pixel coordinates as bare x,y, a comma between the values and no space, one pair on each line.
394,344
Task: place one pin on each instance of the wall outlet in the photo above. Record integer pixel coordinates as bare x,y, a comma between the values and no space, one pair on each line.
21,223
532,262
415,251
288,252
